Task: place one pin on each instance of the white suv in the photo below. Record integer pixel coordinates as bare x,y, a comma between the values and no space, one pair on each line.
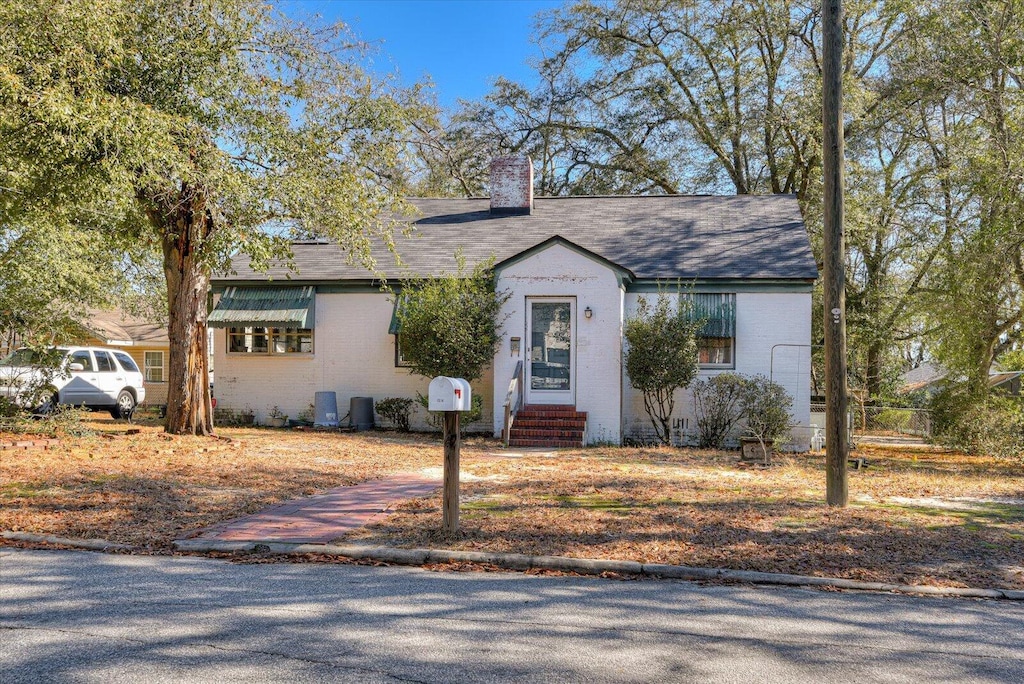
94,377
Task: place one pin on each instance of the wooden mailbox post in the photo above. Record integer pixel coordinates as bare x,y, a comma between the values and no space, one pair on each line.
452,396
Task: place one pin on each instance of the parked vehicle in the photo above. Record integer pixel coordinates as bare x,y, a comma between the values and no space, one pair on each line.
94,377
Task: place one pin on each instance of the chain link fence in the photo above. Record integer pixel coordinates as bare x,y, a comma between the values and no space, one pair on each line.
881,421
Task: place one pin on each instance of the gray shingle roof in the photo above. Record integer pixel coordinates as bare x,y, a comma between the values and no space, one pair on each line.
688,237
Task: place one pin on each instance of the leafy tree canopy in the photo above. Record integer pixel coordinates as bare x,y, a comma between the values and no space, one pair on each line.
198,129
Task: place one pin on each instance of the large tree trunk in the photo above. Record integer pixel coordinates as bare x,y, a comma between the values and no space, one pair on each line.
188,285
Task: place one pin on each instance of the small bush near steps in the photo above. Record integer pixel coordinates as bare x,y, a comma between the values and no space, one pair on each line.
396,411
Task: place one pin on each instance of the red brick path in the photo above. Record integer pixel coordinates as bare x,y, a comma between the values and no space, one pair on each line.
321,518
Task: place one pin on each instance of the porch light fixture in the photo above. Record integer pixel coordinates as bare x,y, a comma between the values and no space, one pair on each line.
588,312
514,345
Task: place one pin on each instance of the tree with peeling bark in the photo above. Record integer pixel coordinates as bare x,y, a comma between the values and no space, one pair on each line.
207,127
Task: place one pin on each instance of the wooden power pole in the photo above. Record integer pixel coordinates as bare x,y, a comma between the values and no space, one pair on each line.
836,442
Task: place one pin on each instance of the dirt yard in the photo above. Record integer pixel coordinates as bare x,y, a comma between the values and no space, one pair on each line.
916,516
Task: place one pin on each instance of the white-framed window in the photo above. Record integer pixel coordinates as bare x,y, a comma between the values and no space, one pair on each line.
256,340
715,352
154,365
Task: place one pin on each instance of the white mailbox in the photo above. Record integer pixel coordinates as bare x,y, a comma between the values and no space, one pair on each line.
449,394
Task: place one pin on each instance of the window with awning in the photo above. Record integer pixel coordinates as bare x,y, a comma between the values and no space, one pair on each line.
716,338
264,320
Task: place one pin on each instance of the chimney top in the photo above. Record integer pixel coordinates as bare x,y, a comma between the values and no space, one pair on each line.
512,185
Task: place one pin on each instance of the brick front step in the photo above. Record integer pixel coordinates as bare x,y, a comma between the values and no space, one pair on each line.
547,433
548,425
534,423
556,444
531,414
550,408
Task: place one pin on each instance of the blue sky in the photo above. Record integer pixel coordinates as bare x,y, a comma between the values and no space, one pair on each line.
462,44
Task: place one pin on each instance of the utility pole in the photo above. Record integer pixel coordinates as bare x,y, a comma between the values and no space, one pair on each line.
836,442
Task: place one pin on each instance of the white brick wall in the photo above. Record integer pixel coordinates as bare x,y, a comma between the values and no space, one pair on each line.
562,272
353,355
763,321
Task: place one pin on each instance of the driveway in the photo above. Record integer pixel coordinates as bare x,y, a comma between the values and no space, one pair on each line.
88,617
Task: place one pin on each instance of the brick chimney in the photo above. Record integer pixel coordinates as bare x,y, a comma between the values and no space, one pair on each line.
512,185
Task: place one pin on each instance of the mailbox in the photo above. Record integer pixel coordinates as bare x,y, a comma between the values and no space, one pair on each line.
449,394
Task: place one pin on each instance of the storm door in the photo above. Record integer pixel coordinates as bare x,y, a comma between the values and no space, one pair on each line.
551,350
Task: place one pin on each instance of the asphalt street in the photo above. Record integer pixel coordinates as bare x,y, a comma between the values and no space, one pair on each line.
68,616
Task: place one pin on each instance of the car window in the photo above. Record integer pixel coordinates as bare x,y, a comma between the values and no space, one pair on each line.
83,357
105,362
127,362
21,357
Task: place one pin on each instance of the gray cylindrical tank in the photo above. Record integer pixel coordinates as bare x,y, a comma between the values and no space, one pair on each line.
360,414
325,409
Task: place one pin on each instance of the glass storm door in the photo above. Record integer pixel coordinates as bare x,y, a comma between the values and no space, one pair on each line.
551,351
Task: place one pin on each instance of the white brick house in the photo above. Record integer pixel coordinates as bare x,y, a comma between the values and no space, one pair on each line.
574,267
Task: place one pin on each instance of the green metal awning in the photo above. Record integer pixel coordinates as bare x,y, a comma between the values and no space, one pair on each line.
264,307
718,311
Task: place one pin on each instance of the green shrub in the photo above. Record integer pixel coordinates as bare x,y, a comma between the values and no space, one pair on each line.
449,323
8,408
766,407
717,403
59,421
661,355
992,425
396,411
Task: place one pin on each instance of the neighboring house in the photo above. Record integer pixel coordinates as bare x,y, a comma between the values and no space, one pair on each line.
928,377
146,342
575,268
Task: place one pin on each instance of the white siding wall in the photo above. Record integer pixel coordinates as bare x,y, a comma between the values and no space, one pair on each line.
763,321
561,272
353,355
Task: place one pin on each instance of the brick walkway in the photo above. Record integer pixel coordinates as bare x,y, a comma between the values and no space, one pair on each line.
321,518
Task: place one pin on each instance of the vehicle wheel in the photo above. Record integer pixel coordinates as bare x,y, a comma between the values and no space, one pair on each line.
125,406
49,405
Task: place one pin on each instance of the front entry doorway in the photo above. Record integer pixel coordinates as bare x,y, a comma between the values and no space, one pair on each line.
551,354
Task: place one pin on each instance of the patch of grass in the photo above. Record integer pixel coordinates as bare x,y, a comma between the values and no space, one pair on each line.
19,490
594,502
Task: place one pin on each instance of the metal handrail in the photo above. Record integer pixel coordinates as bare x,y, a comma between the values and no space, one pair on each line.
515,390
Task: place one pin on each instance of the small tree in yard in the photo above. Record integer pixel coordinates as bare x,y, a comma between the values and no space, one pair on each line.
766,407
449,323
661,356
449,326
718,405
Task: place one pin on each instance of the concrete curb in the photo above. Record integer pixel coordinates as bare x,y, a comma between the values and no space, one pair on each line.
91,544
517,561
587,566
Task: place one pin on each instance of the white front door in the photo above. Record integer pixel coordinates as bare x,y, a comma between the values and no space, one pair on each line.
551,350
